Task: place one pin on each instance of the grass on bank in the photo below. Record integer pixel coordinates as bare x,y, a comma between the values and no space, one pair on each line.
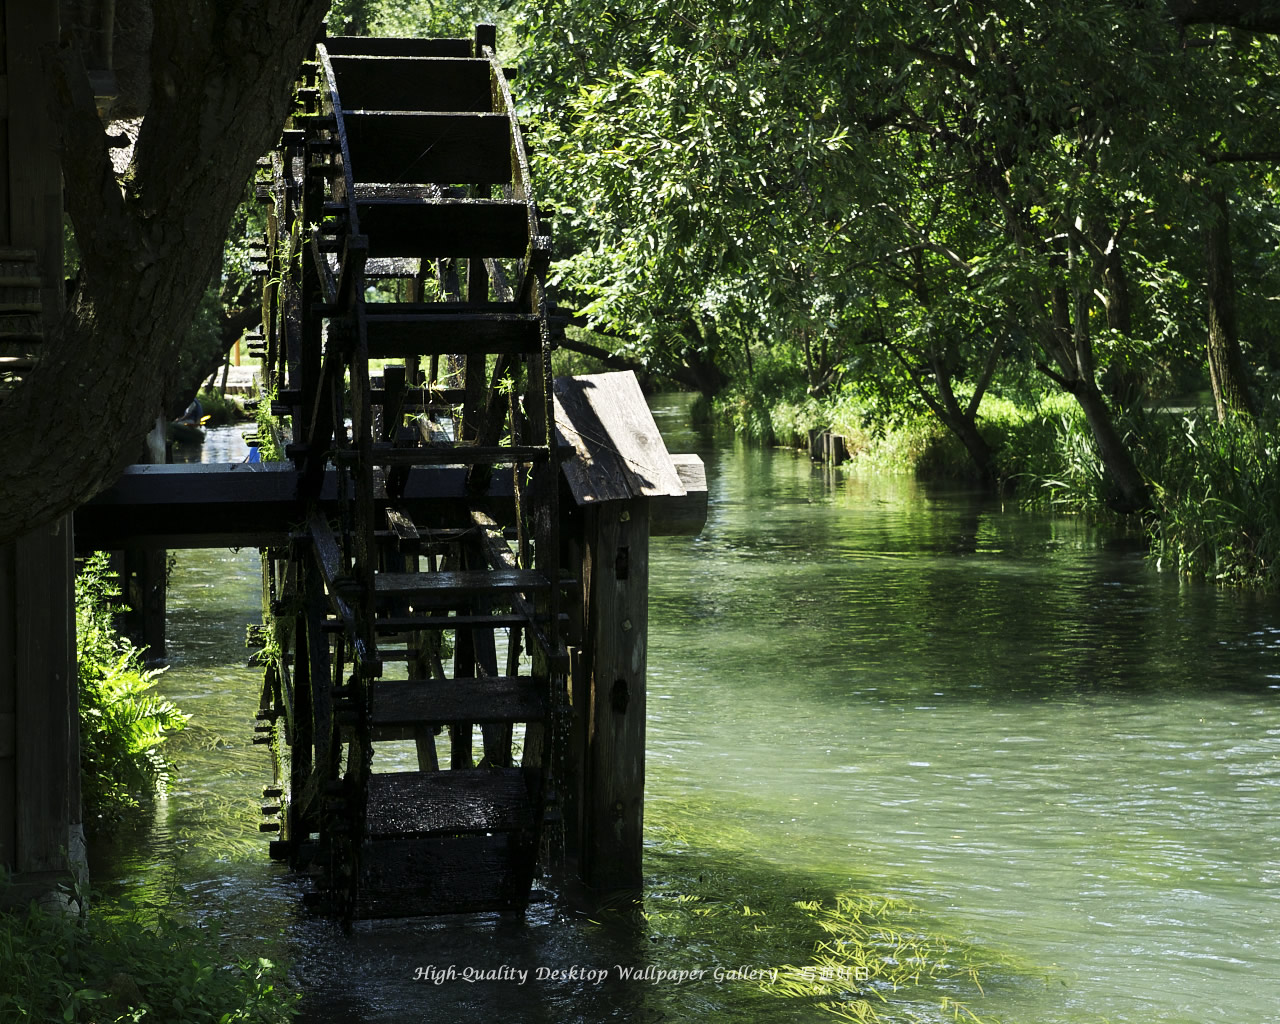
59,968
1215,492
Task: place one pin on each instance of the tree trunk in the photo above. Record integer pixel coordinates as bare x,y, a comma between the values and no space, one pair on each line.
962,422
1123,384
1131,494
984,461
223,79
1226,363
1068,346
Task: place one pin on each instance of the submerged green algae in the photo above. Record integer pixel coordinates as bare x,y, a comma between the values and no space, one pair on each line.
767,941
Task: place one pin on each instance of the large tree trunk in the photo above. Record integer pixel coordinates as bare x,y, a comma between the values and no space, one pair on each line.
222,78
980,453
1226,363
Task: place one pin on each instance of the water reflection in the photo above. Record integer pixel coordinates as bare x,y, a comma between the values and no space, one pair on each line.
856,684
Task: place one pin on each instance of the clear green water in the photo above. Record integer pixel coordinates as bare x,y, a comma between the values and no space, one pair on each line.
1069,763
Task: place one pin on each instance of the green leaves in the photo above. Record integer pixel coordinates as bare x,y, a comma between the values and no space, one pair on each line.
122,721
57,967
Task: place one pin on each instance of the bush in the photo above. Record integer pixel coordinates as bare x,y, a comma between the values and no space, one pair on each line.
122,722
57,967
769,407
1217,499
221,409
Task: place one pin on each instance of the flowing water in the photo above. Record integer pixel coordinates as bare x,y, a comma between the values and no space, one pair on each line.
1054,763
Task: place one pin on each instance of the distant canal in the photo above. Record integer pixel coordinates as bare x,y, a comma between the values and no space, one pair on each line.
1002,738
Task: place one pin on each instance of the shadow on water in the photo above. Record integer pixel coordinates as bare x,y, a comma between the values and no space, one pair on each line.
858,687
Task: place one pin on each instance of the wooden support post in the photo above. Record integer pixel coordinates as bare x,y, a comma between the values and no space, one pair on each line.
625,486
616,598
40,829
144,588
475,376
8,708
47,768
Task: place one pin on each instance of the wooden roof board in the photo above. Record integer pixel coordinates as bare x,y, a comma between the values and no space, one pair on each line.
619,452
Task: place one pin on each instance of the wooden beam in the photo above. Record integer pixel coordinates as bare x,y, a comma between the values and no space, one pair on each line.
412,83
681,515
444,148
390,46
256,504
440,228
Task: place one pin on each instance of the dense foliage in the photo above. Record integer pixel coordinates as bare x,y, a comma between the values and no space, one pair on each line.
123,722
914,211
103,971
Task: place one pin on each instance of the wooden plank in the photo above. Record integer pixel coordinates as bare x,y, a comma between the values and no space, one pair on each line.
413,83
619,452
46,706
443,148
448,803
437,623
392,268
393,336
391,46
444,453
459,583
401,525
453,309
440,701
440,228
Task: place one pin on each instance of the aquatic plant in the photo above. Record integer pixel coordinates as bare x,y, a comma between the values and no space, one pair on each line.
819,949
123,722
220,408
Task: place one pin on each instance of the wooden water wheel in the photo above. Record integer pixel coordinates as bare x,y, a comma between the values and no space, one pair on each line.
415,666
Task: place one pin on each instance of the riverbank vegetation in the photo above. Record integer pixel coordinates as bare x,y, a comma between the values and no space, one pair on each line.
123,721
1001,242
105,970
116,964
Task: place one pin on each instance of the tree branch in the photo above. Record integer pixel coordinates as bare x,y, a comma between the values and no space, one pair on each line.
952,62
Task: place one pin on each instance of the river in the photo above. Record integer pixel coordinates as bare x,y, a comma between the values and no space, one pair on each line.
993,741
